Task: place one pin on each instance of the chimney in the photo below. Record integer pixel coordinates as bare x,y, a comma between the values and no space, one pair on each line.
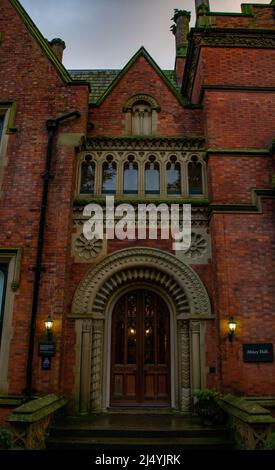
202,10
181,30
58,46
199,4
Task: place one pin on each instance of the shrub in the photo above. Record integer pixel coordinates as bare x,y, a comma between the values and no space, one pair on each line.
206,395
270,442
5,439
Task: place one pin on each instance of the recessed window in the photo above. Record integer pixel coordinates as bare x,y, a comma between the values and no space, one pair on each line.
195,176
87,176
152,176
173,176
141,119
130,176
109,172
2,118
3,277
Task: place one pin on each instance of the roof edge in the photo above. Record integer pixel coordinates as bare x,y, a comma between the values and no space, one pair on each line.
43,43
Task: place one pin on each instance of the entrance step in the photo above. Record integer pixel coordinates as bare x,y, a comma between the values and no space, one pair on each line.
133,431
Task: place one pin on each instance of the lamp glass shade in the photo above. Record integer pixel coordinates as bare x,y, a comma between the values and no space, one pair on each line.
232,325
48,323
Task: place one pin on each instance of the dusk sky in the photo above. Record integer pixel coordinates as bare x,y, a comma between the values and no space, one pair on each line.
106,33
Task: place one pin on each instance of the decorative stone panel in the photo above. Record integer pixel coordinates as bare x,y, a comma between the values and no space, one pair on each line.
200,251
87,251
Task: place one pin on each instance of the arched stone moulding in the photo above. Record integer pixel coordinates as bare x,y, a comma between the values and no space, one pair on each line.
136,264
93,301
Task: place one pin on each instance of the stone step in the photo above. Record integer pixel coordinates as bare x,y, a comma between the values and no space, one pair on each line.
83,431
117,443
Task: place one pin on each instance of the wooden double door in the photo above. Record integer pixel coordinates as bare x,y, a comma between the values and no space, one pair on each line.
140,356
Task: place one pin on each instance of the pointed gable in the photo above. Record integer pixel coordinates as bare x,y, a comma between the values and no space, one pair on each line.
102,82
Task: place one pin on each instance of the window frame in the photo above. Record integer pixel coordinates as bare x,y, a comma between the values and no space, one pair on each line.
4,270
163,157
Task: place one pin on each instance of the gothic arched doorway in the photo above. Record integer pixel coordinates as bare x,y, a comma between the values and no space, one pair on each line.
140,356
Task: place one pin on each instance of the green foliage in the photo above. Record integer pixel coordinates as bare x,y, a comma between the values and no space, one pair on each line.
270,442
5,439
206,395
178,13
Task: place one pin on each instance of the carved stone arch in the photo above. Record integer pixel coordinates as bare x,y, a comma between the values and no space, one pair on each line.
136,265
141,97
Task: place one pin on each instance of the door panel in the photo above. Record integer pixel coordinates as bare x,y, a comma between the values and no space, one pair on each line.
140,362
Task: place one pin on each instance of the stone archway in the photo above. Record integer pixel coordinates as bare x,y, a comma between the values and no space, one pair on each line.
91,309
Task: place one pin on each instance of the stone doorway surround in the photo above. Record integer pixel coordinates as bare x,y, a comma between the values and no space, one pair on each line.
93,303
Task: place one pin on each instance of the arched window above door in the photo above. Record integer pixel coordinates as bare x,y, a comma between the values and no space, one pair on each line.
152,176
109,173
195,176
87,176
130,176
173,176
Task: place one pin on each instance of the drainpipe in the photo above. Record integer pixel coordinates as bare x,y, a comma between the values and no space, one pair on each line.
52,127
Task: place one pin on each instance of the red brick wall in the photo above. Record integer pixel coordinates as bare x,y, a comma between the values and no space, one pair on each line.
237,66
231,178
31,80
239,119
263,17
243,260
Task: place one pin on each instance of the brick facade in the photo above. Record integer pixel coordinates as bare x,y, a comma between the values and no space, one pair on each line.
231,104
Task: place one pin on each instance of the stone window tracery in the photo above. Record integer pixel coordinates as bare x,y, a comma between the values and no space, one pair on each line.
141,173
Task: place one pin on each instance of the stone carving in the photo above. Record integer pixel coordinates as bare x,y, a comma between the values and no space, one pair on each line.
86,326
146,143
142,264
97,353
185,395
198,246
195,327
199,215
88,249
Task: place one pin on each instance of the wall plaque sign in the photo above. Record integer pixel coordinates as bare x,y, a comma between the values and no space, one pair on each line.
258,352
47,349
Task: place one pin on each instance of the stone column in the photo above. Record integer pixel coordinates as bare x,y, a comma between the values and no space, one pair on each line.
97,352
84,402
195,351
184,348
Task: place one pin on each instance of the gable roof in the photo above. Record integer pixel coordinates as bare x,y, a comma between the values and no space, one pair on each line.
102,82
44,44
